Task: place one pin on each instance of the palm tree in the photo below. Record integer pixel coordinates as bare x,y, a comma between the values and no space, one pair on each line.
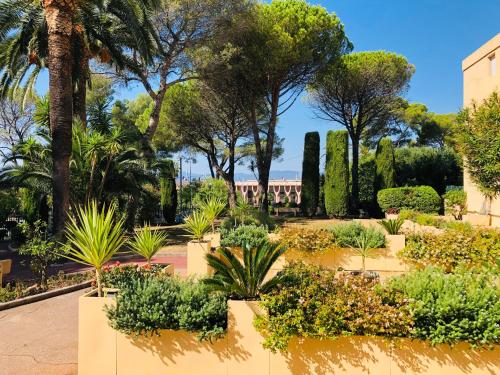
63,36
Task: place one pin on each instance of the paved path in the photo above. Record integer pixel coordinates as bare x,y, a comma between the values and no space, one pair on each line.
40,338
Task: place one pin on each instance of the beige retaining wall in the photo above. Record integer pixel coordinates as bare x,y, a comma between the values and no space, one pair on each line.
103,351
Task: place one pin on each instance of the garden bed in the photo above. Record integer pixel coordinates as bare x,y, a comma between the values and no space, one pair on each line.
104,351
26,290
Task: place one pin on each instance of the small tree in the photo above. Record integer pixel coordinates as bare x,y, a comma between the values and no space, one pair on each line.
337,174
385,172
168,191
310,174
479,141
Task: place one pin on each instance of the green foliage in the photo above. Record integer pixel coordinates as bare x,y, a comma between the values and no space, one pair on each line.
337,174
392,226
168,191
310,174
350,234
420,198
366,177
428,166
449,308
479,141
93,237
211,188
212,209
122,276
244,280
41,251
385,173
252,235
147,242
455,203
197,225
306,240
8,204
311,302
148,304
465,246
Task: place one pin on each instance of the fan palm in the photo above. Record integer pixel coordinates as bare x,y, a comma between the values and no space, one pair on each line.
244,280
93,237
147,242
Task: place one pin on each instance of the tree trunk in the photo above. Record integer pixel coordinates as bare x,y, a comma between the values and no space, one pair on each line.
58,14
154,120
355,175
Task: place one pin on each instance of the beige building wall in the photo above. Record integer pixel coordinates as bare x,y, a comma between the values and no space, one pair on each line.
481,72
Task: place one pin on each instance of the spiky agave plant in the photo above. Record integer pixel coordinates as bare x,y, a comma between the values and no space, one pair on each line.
197,225
212,209
147,242
392,226
244,280
93,237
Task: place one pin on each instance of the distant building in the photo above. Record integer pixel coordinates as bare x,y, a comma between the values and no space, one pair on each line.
280,191
481,78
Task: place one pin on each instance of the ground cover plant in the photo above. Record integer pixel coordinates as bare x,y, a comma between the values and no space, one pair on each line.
250,235
348,235
466,246
306,240
147,304
425,304
448,308
311,302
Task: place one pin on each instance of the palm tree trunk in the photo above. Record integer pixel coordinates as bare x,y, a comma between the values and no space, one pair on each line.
58,14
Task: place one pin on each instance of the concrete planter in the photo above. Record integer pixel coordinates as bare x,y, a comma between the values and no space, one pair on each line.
103,351
395,242
213,238
196,262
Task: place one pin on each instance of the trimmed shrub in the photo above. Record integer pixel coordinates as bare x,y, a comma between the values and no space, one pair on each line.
366,177
310,174
419,198
428,166
448,308
337,174
146,305
349,235
385,173
312,302
168,191
251,235
466,246
306,240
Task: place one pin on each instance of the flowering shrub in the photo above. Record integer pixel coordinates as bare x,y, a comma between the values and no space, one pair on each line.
306,240
312,302
252,235
460,246
148,304
447,308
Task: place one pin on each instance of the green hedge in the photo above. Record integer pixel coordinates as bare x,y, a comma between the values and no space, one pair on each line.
337,174
310,174
419,198
385,172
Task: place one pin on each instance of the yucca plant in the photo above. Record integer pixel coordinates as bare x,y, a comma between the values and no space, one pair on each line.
392,226
212,209
364,247
93,237
197,225
244,280
147,242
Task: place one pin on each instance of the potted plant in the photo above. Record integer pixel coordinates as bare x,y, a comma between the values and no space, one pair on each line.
395,240
147,243
212,209
197,225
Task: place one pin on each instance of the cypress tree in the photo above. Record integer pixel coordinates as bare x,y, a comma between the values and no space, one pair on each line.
385,165
310,174
337,173
168,191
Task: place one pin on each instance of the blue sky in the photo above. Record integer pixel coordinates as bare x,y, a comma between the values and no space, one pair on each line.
435,36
